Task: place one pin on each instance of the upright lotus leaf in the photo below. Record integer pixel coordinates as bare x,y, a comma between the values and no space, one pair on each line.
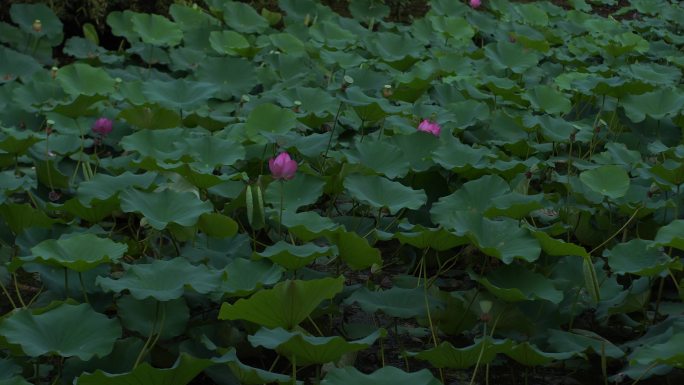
503,239
528,354
23,216
103,186
303,190
438,239
558,247
453,27
513,283
244,276
380,192
236,76
354,250
211,151
380,156
640,257
179,94
151,117
229,42
161,145
79,252
389,375
156,30
248,375
289,44
395,302
139,315
243,17
580,341
445,355
308,225
397,49
189,18
664,102
610,180
17,142
454,155
183,371
16,65
269,118
54,332
217,225
548,99
513,56
82,79
306,349
167,206
163,280
669,353
285,305
293,257
671,234
51,27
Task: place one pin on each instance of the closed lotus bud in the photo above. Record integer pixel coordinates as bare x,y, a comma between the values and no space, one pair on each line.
53,72
37,25
387,90
297,104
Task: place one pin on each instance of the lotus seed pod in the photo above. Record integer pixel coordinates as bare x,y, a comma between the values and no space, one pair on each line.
37,25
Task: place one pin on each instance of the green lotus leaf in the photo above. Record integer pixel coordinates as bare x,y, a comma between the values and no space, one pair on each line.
184,370
303,190
549,100
308,225
269,118
81,79
120,360
355,251
395,302
580,341
163,280
217,225
392,47
417,149
9,371
445,355
389,375
454,27
671,234
236,76
367,10
136,315
453,154
160,145
610,180
293,257
122,25
80,252
53,332
22,216
242,17
167,206
639,257
514,283
380,192
558,247
503,239
156,30
664,102
306,349
438,239
103,186
248,375
15,64
228,42
669,353
192,18
244,276
380,156
505,55
285,305
179,94
528,354
51,27
152,117
289,44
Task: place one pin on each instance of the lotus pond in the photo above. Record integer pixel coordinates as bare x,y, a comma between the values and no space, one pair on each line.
485,195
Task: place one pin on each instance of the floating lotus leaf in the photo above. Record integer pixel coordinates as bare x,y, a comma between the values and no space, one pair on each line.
270,118
301,191
103,186
445,355
244,276
82,79
380,192
664,102
505,55
168,206
179,94
79,252
669,353
53,331
381,157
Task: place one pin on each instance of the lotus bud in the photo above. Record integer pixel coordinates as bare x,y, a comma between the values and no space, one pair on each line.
282,166
53,72
297,104
475,3
485,308
307,20
37,25
346,82
102,126
387,90
430,127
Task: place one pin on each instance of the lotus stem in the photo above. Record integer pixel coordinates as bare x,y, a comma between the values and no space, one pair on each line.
280,217
83,288
9,298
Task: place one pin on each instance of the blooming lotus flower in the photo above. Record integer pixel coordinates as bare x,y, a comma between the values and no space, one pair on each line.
282,166
428,126
475,3
102,126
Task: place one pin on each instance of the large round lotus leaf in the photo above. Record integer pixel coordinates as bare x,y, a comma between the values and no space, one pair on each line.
303,190
453,154
558,247
270,118
160,145
355,251
81,79
548,99
389,375
217,225
168,206
139,315
179,94
639,257
15,64
156,30
308,225
189,18
163,280
242,17
454,27
182,372
120,360
293,257
289,44
503,239
248,375
244,276
515,283
395,302
439,239
658,104
610,180
103,186
445,355
79,252
235,75
380,192
671,235
51,27
285,305
367,10
669,353
306,349
505,55
228,42
153,117
66,330
380,156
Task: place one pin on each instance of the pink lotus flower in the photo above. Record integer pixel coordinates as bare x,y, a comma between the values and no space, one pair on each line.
475,3
102,126
282,166
428,126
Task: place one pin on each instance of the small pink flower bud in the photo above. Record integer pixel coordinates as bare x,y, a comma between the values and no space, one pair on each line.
282,166
428,126
475,3
102,126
